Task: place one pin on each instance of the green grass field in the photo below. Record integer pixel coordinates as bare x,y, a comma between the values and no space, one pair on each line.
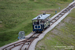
17,15
62,37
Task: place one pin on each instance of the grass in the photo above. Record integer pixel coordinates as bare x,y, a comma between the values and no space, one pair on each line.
17,15
61,37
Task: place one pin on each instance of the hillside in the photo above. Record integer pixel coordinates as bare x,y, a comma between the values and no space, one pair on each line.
62,37
16,15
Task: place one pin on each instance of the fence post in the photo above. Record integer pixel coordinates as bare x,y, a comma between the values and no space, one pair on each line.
55,11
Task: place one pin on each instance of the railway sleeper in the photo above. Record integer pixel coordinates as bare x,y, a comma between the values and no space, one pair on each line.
28,40
16,45
27,43
25,49
5,49
60,15
55,18
65,11
52,22
34,37
74,4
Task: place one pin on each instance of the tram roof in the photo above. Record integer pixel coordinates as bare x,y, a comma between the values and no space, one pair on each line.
41,16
